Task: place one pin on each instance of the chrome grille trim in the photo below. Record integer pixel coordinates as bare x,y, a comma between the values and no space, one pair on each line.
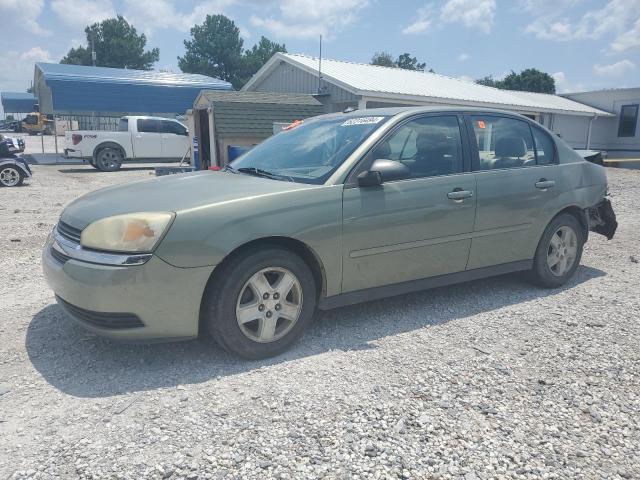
69,232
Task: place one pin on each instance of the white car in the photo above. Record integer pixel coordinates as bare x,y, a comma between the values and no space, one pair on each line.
138,138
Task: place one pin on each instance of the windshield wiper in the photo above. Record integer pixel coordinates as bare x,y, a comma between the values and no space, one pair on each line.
258,172
229,168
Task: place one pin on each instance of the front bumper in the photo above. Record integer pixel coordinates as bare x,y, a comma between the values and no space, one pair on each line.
147,302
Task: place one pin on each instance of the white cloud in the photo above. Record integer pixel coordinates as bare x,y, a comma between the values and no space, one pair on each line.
615,69
423,21
80,13
151,15
20,75
620,18
310,18
25,12
463,57
471,13
627,40
563,85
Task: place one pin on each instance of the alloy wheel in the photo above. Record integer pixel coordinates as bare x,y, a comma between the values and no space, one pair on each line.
9,177
562,251
269,304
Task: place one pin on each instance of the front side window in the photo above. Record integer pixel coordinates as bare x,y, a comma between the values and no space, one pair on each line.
146,125
628,121
503,142
310,151
429,146
176,128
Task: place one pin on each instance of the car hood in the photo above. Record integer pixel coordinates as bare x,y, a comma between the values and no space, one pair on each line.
171,193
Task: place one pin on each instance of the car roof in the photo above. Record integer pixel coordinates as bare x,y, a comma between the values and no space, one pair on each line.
392,111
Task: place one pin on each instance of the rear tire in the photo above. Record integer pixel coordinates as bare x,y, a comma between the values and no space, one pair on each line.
260,302
109,160
559,252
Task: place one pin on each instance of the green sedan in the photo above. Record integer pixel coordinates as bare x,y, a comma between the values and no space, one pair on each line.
335,210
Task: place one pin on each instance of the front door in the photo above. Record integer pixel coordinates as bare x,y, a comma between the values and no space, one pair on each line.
517,181
175,140
415,228
147,143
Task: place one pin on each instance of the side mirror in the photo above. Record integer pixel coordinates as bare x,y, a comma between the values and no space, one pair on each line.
382,171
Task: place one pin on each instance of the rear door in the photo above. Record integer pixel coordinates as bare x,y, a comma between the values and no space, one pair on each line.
415,228
175,140
517,179
147,142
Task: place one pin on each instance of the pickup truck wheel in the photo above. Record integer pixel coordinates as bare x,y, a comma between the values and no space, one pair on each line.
108,160
11,176
260,303
559,252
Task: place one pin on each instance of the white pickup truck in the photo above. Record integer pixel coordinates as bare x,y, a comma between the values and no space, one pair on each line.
149,139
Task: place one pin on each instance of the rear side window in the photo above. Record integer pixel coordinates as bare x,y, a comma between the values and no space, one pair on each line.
503,142
545,150
123,125
167,126
146,125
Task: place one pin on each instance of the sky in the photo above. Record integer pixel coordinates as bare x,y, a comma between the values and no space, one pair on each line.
584,44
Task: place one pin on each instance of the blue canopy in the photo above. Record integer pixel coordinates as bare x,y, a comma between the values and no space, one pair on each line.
18,102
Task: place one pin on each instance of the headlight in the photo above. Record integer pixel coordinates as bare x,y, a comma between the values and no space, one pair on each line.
132,232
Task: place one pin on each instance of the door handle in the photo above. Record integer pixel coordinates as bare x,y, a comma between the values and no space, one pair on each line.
543,184
459,194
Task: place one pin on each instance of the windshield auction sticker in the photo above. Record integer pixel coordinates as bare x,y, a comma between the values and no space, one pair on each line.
362,121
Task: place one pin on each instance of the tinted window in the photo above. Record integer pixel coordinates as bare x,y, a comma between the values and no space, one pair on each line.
503,142
123,125
429,146
545,150
172,127
628,121
148,126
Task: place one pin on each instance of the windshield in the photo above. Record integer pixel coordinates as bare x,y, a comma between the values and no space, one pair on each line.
309,151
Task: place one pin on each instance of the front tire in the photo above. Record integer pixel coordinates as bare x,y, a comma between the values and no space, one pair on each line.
559,252
11,176
260,302
109,160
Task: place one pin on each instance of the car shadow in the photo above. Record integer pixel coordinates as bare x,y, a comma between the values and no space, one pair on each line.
94,170
84,365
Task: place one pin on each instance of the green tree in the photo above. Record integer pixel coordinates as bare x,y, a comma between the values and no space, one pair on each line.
529,80
408,62
216,49
257,56
117,44
383,59
404,61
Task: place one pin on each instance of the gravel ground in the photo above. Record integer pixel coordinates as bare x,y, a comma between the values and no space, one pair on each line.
489,379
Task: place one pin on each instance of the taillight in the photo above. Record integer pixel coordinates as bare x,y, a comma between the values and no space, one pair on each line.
76,138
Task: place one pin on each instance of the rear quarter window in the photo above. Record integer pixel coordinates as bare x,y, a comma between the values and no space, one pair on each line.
545,147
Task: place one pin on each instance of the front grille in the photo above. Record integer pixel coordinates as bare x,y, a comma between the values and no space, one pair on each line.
69,232
59,256
106,320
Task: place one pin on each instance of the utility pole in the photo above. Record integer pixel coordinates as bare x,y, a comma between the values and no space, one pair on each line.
320,68
93,50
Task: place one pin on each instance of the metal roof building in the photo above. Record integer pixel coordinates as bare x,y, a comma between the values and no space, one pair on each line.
76,90
18,102
347,84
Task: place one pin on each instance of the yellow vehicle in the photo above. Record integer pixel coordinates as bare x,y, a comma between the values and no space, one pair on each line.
35,123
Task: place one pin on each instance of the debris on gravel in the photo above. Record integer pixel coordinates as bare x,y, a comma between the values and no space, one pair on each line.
484,380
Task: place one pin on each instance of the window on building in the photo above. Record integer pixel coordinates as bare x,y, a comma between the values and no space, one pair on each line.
146,125
628,121
167,126
545,149
503,142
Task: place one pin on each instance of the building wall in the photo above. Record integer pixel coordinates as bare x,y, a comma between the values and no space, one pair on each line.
286,78
604,134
